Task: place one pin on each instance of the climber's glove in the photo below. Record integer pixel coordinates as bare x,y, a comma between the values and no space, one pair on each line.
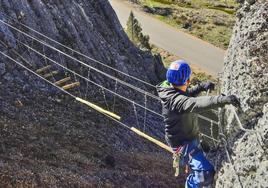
208,86
231,99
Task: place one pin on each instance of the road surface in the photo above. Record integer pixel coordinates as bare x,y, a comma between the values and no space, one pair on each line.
192,49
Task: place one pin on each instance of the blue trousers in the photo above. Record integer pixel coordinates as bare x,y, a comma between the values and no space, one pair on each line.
201,170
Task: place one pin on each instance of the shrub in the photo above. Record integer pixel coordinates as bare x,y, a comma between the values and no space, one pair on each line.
134,32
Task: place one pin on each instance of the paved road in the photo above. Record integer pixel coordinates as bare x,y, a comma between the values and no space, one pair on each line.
192,49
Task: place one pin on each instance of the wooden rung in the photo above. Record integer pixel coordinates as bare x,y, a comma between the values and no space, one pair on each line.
62,81
50,74
70,86
99,109
161,144
39,71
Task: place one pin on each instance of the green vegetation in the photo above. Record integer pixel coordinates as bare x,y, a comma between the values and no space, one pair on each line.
134,32
211,21
198,74
201,77
224,4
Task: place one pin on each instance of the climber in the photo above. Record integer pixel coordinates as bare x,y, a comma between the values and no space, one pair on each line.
180,108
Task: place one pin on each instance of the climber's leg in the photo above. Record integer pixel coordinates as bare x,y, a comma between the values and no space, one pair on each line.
202,171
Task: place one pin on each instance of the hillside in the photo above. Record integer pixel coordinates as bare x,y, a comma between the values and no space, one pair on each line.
49,140
211,21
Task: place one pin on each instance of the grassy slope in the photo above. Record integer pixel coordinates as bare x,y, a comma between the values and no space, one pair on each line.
209,21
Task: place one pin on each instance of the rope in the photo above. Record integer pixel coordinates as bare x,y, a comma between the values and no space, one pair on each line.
134,130
122,97
104,97
115,90
222,138
240,124
87,57
136,114
137,89
82,63
211,132
16,53
88,74
207,119
230,161
105,74
257,133
43,48
209,137
79,91
61,60
145,112
66,92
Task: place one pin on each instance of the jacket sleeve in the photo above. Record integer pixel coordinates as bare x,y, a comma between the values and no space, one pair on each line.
194,91
197,104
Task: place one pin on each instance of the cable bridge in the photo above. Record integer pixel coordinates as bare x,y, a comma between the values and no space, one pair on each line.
143,115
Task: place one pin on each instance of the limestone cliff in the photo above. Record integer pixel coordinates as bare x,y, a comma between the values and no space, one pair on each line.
246,75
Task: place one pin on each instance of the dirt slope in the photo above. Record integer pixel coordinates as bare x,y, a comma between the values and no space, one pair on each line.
47,139
48,142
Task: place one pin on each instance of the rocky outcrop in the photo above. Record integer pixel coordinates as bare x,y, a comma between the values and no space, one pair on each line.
90,27
47,139
246,75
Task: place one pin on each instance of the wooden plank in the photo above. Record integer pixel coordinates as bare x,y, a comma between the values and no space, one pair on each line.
62,81
71,86
99,109
48,75
157,142
41,70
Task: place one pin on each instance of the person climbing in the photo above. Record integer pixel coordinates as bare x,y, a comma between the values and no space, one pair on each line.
180,106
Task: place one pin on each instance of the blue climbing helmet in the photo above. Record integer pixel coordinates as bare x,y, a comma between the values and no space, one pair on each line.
178,72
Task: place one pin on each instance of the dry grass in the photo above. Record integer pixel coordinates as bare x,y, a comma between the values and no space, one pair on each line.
211,21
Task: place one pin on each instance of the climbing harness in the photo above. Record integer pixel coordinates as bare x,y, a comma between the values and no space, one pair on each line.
182,157
178,159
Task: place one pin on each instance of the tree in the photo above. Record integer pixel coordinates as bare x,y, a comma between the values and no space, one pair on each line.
134,32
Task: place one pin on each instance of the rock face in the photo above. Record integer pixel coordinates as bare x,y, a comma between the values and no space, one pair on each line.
47,139
246,75
90,27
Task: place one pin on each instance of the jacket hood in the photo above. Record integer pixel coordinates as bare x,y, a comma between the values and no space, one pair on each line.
165,90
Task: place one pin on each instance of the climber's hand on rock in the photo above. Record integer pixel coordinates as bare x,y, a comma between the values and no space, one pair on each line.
208,86
232,99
